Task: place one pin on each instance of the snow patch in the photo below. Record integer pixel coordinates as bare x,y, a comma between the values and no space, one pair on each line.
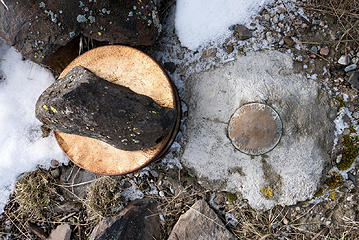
201,21
22,147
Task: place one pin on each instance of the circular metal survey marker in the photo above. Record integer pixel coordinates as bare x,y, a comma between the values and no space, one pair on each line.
255,128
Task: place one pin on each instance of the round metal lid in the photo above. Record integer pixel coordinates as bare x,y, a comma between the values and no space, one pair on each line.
134,69
255,128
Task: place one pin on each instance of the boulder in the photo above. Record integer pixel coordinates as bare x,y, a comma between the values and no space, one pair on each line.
289,173
83,104
200,223
38,28
139,220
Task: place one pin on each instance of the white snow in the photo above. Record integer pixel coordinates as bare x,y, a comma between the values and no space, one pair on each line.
22,147
200,21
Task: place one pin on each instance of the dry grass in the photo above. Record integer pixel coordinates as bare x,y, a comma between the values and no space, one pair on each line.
277,223
345,14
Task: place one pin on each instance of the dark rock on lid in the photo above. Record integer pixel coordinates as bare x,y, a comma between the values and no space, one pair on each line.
84,104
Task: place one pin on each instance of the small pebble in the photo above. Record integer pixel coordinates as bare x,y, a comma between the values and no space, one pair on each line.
54,163
266,17
275,19
352,178
324,51
343,60
55,173
161,193
316,22
356,115
351,68
314,49
304,25
285,221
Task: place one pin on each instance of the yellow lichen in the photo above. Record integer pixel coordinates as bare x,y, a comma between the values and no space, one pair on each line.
268,192
99,33
53,109
45,107
332,195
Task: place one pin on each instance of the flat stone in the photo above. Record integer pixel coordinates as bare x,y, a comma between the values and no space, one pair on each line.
350,68
139,220
62,232
200,223
354,80
241,32
291,172
84,104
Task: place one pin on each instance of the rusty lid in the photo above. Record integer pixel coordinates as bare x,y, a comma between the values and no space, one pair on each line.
255,128
134,69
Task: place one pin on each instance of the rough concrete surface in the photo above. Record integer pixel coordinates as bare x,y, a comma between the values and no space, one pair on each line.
291,172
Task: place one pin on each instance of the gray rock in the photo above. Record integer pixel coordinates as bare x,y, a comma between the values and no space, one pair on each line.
79,179
269,37
82,103
314,49
242,32
350,68
356,114
291,172
62,232
55,172
200,223
343,60
354,80
139,220
39,33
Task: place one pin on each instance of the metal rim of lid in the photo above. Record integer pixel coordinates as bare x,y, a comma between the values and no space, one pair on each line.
278,129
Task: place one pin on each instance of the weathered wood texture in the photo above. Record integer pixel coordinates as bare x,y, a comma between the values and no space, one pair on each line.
83,104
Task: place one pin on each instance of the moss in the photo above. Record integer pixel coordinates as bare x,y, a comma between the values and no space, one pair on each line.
319,193
231,197
341,102
350,152
336,180
352,129
104,197
36,195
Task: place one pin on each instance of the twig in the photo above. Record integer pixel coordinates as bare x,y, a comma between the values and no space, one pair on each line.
66,217
3,3
27,237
